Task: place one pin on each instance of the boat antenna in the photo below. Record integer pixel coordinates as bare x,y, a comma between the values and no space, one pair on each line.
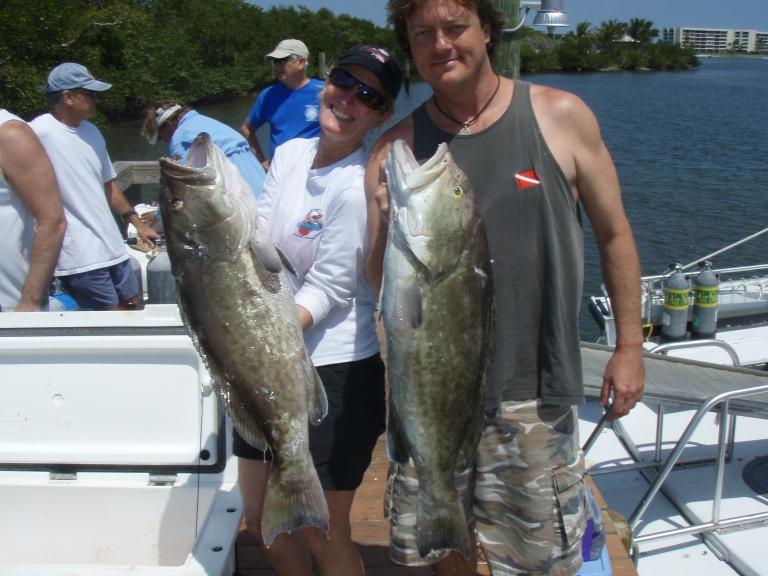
718,252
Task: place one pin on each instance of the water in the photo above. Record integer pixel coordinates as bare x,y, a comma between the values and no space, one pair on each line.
690,148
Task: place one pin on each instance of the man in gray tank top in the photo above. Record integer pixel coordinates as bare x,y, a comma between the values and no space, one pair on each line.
533,154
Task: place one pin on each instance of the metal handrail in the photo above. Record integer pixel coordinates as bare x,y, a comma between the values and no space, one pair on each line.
674,456
725,439
705,343
730,270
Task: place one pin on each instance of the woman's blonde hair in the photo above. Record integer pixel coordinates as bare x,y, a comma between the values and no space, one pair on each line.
158,114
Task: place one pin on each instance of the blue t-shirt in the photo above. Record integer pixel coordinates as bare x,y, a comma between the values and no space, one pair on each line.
290,113
229,140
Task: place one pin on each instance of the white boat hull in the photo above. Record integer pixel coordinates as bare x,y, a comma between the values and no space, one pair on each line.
112,452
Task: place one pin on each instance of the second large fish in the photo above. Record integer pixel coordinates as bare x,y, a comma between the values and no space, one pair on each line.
238,306
437,307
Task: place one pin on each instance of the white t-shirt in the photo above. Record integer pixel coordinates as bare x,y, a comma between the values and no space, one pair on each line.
319,219
82,165
16,237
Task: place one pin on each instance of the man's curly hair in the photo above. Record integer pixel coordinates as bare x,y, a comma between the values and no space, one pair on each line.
398,12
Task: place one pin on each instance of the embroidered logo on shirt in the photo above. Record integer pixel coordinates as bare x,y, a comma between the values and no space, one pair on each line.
311,112
527,179
311,225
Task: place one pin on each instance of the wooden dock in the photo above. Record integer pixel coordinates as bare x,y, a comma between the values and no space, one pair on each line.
371,533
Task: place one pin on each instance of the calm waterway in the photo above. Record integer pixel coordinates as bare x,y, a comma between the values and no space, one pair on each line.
691,149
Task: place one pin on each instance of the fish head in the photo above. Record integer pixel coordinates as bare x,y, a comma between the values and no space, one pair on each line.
205,201
432,207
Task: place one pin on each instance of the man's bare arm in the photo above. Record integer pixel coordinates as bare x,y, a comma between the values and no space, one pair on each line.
120,205
598,186
378,200
573,135
249,134
29,171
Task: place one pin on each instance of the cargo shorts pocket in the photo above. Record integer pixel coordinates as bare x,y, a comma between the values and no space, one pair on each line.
570,498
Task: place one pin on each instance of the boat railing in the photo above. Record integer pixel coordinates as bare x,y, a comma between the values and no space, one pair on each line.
741,275
704,343
136,172
721,403
746,282
734,399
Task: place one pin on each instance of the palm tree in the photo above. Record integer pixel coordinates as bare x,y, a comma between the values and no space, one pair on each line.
609,33
582,29
641,30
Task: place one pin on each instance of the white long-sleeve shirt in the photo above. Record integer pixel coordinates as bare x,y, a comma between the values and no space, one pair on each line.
318,217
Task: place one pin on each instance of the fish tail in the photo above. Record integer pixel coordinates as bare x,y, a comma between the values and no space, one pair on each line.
289,506
441,525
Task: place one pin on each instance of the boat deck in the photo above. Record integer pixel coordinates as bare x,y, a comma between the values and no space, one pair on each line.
371,532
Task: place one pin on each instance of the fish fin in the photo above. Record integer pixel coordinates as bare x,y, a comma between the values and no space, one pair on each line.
286,260
247,427
318,401
241,417
397,449
408,304
291,505
266,253
441,525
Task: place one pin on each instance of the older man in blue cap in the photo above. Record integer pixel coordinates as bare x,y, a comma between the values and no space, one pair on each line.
94,264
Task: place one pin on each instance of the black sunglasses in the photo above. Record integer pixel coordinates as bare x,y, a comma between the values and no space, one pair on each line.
283,60
368,96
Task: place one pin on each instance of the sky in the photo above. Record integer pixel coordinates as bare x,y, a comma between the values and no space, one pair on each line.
742,14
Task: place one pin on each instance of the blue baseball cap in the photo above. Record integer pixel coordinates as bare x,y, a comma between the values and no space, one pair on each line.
70,75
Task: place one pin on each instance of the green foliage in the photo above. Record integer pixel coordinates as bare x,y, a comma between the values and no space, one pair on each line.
641,30
191,50
613,46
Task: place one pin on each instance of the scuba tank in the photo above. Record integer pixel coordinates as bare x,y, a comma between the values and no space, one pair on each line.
706,288
161,286
674,317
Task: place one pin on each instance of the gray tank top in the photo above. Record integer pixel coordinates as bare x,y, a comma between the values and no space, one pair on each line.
534,232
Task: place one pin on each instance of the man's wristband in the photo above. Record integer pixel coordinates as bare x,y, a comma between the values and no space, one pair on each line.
126,216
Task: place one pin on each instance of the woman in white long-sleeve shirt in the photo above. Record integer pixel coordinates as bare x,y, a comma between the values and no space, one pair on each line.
313,206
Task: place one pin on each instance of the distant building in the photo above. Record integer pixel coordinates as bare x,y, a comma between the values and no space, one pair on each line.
704,40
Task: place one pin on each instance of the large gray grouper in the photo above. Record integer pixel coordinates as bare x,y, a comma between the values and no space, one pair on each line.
238,307
437,308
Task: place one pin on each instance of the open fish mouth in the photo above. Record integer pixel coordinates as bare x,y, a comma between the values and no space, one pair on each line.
411,184
409,173
199,166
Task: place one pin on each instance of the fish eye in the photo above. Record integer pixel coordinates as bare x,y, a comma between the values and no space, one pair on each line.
177,204
458,192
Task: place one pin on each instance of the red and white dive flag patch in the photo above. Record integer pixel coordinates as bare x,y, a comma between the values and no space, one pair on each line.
527,179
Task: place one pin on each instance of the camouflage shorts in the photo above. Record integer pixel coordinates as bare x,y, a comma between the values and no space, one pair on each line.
525,497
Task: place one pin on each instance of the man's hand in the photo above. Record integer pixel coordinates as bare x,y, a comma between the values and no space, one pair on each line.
623,381
149,218
147,233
